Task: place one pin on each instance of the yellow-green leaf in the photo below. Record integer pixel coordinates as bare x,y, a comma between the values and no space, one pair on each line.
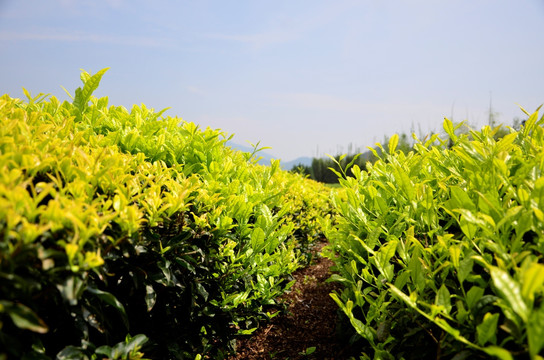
532,281
393,142
448,127
455,253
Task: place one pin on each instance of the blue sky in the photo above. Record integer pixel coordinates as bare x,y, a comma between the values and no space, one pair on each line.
303,77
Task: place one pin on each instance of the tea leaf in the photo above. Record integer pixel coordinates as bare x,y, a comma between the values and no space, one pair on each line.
448,127
257,238
383,256
363,330
460,199
443,298
465,268
499,352
150,297
535,332
71,353
473,295
416,271
393,142
510,291
72,289
23,317
109,299
407,299
91,83
310,350
487,329
532,281
455,253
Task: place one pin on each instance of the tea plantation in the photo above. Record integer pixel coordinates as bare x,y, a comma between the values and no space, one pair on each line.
441,250
135,235
121,229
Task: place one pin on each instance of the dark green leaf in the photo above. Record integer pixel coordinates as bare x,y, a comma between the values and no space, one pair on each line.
71,353
23,317
106,351
465,268
202,291
473,296
109,299
443,298
72,289
535,332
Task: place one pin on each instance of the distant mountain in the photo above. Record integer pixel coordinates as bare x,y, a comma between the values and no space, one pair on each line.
266,157
304,160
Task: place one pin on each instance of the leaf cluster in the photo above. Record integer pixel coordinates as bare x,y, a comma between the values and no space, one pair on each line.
441,250
117,222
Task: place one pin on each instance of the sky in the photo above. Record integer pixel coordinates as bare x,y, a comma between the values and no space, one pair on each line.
304,77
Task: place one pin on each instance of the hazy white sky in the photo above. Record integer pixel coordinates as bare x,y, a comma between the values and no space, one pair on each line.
303,77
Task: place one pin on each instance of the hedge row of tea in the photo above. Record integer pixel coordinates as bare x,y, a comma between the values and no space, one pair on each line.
441,250
124,233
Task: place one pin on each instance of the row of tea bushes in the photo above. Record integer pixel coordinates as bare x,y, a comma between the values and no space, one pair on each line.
441,250
128,232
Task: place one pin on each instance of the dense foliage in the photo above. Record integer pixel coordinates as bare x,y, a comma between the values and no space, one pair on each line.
441,250
128,232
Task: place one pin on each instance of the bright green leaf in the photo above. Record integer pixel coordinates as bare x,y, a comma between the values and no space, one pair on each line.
535,332
487,329
257,238
510,291
473,295
532,281
443,298
459,199
499,352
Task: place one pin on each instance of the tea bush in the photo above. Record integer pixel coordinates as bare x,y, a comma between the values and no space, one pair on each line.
441,250
128,232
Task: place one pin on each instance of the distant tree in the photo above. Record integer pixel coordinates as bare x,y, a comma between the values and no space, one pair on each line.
320,169
302,169
517,123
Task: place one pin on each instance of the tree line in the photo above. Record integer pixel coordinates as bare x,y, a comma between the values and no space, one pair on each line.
320,169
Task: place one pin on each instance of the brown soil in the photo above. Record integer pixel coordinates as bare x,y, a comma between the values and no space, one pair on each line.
310,321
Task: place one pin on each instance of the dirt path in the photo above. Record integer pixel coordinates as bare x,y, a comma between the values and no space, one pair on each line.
309,322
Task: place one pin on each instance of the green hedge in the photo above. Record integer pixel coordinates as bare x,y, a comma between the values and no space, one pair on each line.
128,232
441,249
